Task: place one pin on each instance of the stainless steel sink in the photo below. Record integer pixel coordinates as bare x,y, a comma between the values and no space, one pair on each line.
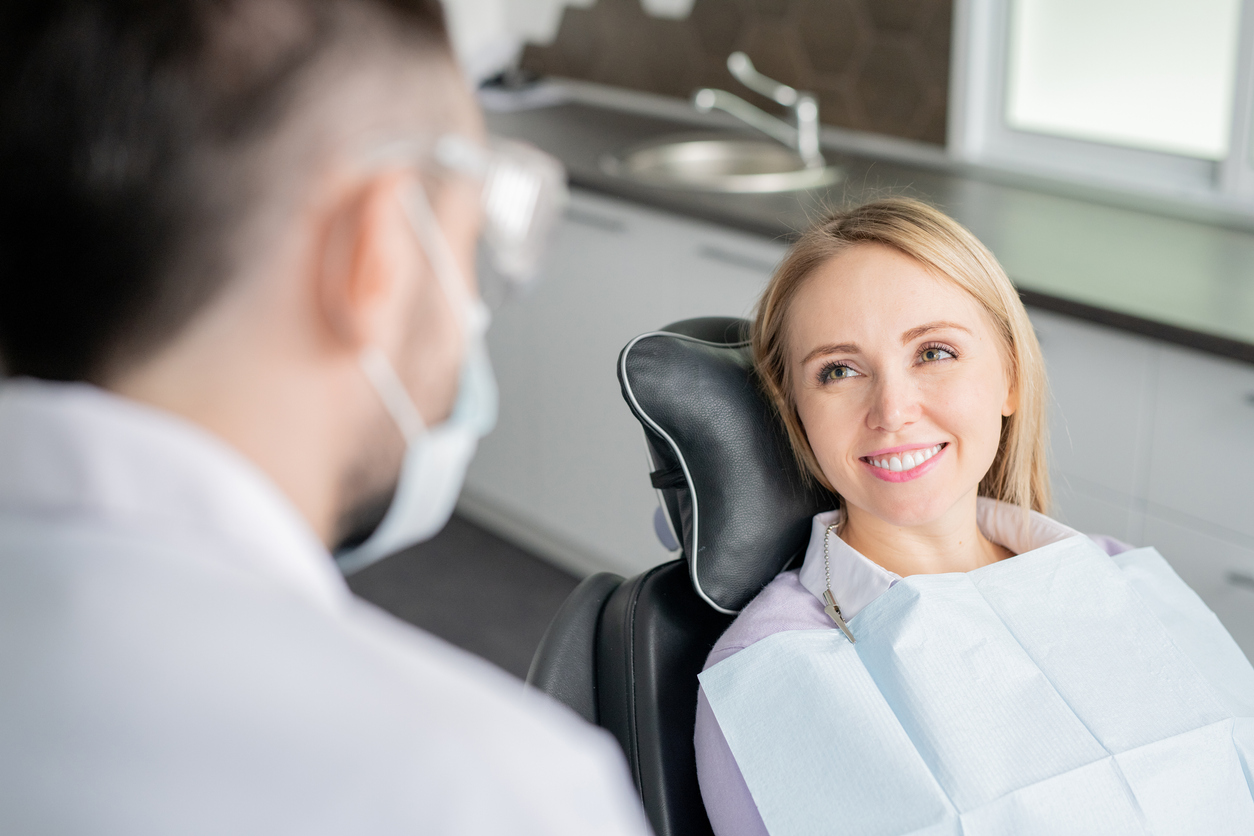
719,164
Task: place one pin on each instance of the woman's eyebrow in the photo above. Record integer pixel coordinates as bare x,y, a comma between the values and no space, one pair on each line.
837,348
915,333
912,334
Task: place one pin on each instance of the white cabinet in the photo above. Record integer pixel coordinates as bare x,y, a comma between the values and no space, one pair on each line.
1218,569
1090,509
1098,380
1100,419
1199,496
1202,461
1154,444
565,471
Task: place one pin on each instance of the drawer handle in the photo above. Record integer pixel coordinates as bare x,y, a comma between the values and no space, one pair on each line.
605,223
1240,579
734,259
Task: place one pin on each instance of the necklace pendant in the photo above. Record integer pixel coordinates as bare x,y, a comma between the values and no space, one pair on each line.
833,612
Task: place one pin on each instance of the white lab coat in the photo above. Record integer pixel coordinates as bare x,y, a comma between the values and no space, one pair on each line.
178,654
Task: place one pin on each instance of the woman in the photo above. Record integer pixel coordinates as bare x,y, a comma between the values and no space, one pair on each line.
910,677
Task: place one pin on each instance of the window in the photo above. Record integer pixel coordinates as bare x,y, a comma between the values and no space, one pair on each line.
1143,95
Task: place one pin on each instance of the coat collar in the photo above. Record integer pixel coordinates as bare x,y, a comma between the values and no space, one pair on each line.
71,451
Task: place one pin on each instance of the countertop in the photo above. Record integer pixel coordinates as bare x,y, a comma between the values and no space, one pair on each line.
1159,273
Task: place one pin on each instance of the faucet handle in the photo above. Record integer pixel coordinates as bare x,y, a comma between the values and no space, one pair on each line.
742,68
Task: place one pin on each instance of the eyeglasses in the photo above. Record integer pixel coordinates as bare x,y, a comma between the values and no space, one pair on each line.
522,195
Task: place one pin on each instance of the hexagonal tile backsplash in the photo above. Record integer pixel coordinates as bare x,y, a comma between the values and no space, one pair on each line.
875,65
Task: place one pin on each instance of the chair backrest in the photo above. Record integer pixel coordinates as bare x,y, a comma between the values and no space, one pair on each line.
728,479
626,654
655,634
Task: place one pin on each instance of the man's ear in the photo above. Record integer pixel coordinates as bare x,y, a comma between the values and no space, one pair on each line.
366,250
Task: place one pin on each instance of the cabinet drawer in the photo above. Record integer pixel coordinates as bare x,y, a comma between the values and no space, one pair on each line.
1092,510
1098,381
1218,570
1202,456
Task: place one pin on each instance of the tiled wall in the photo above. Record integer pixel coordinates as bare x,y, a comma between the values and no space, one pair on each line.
875,65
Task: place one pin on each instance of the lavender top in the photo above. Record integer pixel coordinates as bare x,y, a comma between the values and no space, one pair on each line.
793,601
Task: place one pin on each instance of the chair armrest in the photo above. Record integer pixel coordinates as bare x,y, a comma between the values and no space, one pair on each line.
565,664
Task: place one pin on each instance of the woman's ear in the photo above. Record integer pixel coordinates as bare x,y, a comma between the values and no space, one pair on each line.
366,250
1011,406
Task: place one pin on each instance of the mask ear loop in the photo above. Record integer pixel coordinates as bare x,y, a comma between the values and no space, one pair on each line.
396,400
475,318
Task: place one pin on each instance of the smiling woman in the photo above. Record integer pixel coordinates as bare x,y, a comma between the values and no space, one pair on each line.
890,331
901,257
994,671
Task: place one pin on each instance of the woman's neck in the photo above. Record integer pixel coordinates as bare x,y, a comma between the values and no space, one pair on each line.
953,543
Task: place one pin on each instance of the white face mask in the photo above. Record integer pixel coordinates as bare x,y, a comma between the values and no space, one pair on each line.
437,457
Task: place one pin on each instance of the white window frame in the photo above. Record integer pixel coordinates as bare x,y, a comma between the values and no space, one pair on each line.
978,132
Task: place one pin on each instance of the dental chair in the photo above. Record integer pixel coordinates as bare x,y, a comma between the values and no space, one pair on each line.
625,654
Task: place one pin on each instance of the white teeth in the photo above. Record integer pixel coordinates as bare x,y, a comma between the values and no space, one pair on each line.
906,461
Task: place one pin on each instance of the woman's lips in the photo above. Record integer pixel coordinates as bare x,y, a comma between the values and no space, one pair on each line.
906,465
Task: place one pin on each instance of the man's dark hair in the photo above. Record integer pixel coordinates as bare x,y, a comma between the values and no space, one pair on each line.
113,229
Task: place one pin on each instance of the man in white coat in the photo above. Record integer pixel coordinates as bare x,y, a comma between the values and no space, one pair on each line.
240,324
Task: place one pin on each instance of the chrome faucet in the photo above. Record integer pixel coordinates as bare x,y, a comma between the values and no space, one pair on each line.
804,136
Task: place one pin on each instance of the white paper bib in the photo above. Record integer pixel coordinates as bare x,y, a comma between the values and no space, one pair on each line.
1060,691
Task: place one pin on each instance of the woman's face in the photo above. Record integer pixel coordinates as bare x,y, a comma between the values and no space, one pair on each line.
900,383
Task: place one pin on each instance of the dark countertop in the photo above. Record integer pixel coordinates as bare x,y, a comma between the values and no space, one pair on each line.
1178,279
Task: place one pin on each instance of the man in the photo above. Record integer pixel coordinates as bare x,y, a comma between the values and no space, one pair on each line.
236,307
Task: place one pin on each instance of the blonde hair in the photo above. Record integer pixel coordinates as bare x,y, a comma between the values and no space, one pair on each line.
1019,473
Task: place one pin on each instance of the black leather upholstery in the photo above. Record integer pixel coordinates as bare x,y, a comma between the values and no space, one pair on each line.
655,634
626,654
728,479
565,664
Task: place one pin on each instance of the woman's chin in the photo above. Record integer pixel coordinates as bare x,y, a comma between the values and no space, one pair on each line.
906,512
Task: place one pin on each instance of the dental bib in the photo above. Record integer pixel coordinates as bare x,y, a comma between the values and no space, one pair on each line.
1059,691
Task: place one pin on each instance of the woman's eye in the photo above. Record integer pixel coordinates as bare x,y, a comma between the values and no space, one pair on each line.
837,372
935,352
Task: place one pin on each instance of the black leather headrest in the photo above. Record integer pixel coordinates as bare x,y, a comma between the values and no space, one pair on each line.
728,480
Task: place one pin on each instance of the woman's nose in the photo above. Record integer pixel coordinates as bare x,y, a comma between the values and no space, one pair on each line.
894,405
